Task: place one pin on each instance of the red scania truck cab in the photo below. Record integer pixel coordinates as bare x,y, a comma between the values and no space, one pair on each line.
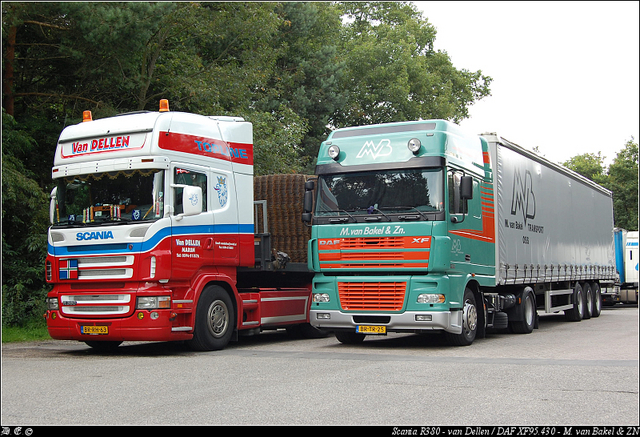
153,236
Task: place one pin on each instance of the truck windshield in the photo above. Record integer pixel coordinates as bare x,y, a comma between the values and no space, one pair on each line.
120,196
386,192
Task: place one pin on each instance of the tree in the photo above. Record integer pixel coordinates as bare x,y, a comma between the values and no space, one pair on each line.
623,182
24,230
589,165
393,72
308,69
621,178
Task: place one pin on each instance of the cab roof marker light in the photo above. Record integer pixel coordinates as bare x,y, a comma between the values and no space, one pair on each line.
164,105
86,116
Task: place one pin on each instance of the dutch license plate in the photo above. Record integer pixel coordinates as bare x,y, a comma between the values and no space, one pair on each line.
365,329
94,330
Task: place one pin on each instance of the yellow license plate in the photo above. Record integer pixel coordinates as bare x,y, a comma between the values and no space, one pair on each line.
94,330
371,329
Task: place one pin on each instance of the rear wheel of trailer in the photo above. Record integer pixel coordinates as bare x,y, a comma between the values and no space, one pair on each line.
597,300
576,313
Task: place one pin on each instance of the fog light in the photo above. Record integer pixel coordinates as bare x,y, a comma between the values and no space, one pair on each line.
154,315
423,317
321,297
431,298
323,316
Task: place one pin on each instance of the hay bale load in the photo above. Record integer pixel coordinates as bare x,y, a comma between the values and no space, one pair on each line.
284,195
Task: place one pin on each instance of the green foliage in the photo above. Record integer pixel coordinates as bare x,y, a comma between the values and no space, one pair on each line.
24,231
621,178
589,165
623,182
276,148
33,330
393,72
294,69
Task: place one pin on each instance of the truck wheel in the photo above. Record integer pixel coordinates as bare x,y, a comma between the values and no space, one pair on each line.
575,314
587,291
346,337
597,300
469,322
215,320
529,313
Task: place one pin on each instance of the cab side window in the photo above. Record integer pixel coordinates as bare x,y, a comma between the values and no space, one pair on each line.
184,176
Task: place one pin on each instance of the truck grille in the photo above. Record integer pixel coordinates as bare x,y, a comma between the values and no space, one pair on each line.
95,304
368,242
104,267
374,253
372,296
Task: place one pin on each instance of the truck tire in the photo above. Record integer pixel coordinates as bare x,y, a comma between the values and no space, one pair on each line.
469,322
597,300
529,313
346,337
575,314
215,320
587,292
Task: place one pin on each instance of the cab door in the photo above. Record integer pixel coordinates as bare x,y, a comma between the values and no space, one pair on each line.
191,235
226,242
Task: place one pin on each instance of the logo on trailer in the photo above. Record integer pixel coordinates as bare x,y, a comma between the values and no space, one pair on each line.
382,149
523,199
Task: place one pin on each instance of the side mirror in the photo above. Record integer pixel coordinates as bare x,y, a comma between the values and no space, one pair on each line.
191,200
308,201
466,187
52,204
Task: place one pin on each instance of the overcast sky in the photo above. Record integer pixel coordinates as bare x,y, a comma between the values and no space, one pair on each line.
565,74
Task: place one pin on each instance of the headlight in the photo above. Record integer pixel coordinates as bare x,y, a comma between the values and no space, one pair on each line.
321,297
153,302
431,298
52,303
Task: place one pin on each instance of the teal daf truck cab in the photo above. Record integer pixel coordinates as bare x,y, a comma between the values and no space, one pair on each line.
403,232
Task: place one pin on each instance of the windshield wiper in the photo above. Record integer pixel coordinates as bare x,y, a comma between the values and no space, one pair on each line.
373,208
404,217
341,219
